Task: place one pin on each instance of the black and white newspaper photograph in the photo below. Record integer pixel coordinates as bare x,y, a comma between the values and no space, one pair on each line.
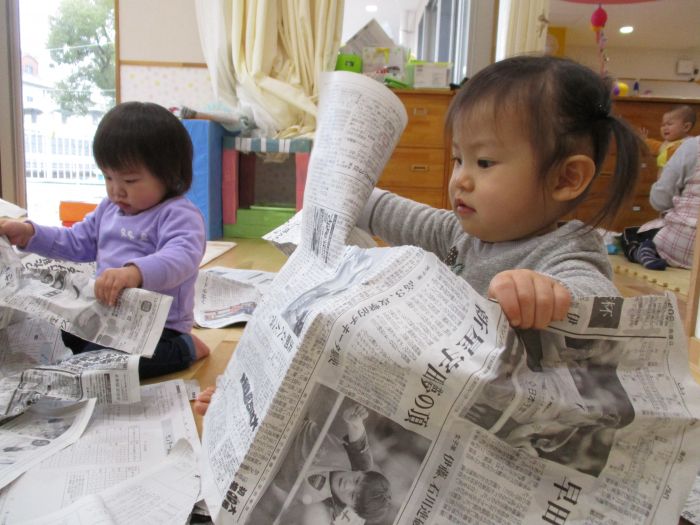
344,464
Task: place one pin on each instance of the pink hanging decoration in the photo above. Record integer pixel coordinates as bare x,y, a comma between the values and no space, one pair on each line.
598,19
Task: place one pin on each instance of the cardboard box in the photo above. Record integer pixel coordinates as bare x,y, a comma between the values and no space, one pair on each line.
429,74
382,62
371,34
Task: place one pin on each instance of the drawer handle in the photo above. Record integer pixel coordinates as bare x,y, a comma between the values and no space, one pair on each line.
420,112
636,208
419,167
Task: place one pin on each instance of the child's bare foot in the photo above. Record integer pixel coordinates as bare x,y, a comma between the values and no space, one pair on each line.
201,404
200,347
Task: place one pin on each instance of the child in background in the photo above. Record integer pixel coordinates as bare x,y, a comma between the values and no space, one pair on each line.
675,128
529,136
669,239
144,234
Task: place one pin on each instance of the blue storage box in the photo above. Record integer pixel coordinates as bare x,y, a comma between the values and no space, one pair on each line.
207,140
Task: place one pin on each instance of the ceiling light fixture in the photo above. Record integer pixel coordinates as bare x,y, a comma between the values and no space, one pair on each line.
625,30
371,8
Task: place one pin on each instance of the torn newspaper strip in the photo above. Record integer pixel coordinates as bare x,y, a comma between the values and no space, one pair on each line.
375,386
108,376
43,430
287,236
35,363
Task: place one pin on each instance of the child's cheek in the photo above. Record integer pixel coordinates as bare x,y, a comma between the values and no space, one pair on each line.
451,191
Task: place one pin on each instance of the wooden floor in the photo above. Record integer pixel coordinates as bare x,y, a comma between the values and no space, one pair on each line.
630,286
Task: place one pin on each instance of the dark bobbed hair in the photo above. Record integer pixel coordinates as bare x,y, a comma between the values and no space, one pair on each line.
142,134
564,109
373,498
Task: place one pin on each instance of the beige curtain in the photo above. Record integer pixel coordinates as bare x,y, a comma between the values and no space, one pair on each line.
265,57
526,28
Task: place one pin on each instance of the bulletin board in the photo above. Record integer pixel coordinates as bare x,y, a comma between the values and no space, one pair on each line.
556,41
167,85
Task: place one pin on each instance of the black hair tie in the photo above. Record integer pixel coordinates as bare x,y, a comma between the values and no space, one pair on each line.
602,111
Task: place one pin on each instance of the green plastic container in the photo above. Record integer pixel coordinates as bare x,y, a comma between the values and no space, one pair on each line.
347,62
256,221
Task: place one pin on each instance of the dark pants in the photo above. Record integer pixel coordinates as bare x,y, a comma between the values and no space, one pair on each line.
174,352
631,239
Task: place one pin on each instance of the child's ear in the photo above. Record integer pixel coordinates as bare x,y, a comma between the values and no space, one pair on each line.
573,177
687,126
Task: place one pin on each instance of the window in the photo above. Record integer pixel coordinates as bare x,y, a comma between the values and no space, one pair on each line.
65,128
459,32
428,31
445,30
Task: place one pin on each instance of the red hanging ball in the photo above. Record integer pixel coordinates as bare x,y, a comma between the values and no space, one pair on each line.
598,18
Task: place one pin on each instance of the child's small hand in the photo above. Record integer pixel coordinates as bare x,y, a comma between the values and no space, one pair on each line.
110,284
18,233
644,132
354,417
201,404
530,299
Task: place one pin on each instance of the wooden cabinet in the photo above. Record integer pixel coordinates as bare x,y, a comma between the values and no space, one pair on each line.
420,165
640,112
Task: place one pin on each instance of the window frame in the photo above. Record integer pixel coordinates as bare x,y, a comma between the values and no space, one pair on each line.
12,170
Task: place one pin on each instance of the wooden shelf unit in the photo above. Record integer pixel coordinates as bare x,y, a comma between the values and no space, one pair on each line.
420,165
640,112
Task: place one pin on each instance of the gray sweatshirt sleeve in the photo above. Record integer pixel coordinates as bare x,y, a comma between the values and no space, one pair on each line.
583,269
399,221
674,175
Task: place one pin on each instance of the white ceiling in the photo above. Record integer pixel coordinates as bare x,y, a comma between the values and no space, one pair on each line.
659,24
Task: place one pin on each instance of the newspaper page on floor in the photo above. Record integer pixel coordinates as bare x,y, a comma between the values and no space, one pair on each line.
120,443
162,495
41,431
375,386
691,511
224,296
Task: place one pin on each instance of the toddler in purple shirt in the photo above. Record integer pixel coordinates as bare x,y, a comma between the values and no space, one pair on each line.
144,234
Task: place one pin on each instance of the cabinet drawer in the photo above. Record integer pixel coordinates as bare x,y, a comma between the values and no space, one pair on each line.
648,170
601,187
421,168
434,198
426,120
634,213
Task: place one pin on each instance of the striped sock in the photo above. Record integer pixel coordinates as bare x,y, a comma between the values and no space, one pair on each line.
647,256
